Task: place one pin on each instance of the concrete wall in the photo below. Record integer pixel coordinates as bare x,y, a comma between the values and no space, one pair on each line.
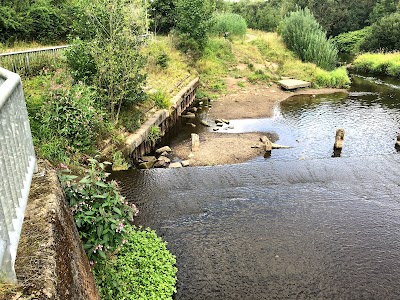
51,262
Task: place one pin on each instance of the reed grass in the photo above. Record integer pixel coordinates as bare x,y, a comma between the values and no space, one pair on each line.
378,63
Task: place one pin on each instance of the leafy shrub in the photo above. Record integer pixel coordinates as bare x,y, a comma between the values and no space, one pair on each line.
99,211
154,134
80,61
303,35
257,76
350,42
161,100
384,34
143,269
70,113
228,22
162,60
192,24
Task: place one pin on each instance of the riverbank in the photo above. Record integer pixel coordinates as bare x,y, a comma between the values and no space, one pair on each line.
249,102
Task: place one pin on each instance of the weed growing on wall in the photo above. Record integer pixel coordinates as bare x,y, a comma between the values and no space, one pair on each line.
100,212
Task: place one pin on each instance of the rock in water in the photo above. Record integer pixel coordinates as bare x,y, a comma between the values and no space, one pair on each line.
163,149
185,163
339,139
202,122
225,121
175,165
195,142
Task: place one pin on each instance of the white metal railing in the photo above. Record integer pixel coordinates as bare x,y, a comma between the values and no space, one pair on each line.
17,165
30,62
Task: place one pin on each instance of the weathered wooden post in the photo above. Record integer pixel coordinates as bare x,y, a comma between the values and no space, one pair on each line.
397,145
267,146
195,142
338,146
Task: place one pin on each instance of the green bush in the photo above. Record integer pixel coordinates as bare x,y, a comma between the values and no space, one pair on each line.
80,61
335,79
143,269
100,212
350,42
384,34
303,35
228,22
192,24
69,113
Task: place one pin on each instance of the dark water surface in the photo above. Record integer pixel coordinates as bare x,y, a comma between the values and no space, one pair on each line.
284,228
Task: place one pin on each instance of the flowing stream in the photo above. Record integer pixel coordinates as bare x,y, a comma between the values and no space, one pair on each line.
300,225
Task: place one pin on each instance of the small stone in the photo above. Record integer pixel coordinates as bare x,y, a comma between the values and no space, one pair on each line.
231,127
220,124
201,103
202,122
164,159
185,163
225,121
191,155
175,165
161,164
148,158
164,154
191,116
193,109
191,124
146,165
215,129
218,121
164,149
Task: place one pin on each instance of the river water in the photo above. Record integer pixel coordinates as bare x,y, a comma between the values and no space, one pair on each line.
284,228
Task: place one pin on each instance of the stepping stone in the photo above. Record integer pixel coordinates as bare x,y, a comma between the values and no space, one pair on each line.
292,84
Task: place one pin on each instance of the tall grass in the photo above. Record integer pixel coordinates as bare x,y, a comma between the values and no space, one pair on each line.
303,35
379,63
228,22
272,48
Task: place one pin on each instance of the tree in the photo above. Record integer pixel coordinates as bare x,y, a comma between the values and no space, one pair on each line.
162,14
192,24
114,47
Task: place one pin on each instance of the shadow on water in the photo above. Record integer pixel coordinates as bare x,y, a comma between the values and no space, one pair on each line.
285,228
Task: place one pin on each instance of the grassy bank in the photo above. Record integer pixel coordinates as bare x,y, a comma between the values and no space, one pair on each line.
260,58
378,63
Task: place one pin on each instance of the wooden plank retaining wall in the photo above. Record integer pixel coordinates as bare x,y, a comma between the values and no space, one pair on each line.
137,144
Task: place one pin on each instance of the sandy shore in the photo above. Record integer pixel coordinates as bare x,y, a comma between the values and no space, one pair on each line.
250,102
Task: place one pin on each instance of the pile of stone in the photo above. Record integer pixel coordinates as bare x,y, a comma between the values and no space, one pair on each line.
161,159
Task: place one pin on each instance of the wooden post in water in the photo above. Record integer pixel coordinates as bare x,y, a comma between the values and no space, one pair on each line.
339,139
397,145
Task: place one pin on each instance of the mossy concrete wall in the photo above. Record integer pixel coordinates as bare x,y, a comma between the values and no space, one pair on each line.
51,262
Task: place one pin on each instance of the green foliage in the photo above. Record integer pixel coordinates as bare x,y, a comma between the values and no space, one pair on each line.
335,79
383,8
162,15
350,42
161,100
192,24
384,35
69,113
154,134
228,22
114,48
100,212
119,162
378,63
263,15
162,60
302,34
80,61
143,269
257,76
